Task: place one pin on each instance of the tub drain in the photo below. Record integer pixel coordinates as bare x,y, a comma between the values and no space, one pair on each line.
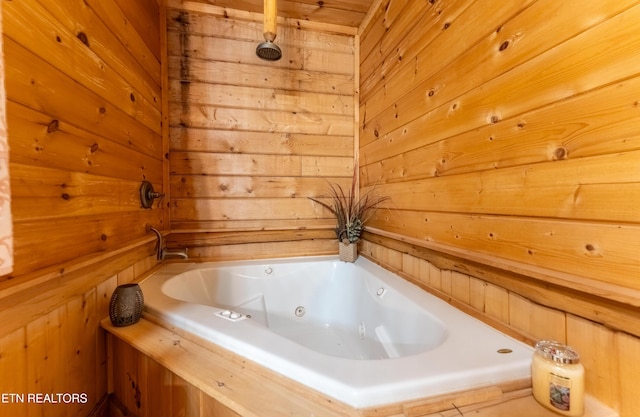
300,311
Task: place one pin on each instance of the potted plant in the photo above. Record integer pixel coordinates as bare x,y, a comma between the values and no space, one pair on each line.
352,212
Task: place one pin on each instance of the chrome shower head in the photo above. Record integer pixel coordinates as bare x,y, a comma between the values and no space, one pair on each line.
268,51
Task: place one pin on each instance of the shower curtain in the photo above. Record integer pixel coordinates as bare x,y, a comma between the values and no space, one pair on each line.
6,227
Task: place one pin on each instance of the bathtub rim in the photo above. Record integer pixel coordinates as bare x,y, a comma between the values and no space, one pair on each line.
366,396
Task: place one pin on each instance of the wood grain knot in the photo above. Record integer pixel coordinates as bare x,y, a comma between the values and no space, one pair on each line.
53,126
560,153
83,38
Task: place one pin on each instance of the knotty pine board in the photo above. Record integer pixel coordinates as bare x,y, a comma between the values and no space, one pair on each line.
531,310
100,79
579,124
241,129
40,86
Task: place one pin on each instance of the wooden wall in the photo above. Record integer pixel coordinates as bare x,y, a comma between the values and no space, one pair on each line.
83,111
250,140
498,298
84,106
507,138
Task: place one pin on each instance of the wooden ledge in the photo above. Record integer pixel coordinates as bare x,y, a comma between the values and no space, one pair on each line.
521,404
241,385
586,285
254,391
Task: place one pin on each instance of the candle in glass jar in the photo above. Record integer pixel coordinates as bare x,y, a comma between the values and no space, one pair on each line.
558,378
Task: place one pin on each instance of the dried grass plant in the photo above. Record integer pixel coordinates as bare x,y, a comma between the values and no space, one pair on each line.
351,211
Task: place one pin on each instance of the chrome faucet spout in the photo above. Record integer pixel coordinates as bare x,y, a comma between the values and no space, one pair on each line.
163,253
158,249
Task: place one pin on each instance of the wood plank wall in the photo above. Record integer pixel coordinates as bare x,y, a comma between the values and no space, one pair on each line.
507,137
83,82
83,111
609,356
250,140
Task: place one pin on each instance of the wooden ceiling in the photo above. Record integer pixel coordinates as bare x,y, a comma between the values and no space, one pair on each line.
338,12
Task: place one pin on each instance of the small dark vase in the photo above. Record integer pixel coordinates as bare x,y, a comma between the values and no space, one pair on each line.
125,307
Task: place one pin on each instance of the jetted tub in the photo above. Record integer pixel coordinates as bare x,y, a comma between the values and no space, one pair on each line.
355,332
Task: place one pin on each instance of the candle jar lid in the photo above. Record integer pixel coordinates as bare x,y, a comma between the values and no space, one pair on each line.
557,352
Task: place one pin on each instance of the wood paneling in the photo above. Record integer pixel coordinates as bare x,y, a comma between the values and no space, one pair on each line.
609,356
507,138
255,244
83,111
197,375
338,12
515,139
84,114
61,351
250,140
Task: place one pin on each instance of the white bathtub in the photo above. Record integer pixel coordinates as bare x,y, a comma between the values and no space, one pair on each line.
355,332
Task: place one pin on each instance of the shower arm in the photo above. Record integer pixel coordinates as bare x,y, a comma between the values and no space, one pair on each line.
270,20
